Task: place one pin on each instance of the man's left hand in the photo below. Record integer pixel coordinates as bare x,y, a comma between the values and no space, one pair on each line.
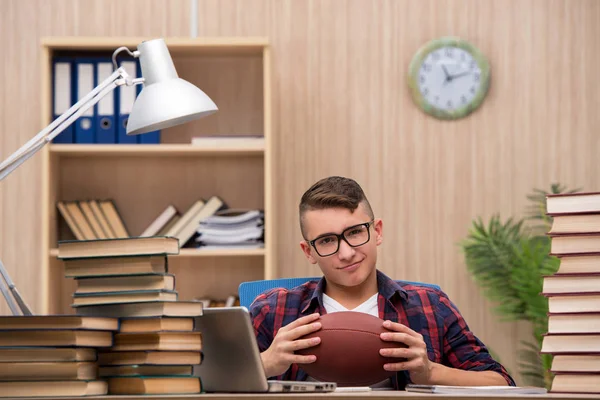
415,357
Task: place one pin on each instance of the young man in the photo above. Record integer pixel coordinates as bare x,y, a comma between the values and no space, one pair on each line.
341,235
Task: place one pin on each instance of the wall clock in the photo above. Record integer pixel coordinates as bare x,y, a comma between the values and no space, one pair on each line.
449,78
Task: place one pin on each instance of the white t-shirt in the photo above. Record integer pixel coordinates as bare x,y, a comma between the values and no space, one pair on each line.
368,307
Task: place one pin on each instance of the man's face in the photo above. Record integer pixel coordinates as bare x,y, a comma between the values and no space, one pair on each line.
349,266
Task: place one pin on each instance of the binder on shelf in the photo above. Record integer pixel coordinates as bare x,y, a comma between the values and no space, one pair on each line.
150,137
106,129
62,90
84,83
126,95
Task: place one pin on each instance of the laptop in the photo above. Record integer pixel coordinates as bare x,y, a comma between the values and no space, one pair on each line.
231,359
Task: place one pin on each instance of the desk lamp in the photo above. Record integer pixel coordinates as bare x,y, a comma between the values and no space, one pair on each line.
166,100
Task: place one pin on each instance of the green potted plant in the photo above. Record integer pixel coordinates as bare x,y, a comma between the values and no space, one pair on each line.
508,260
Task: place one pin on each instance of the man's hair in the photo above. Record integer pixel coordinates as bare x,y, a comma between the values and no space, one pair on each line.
333,192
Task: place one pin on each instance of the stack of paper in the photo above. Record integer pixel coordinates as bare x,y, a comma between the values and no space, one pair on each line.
232,228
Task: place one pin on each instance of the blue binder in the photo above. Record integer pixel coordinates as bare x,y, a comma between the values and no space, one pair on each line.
150,137
126,97
106,127
84,83
62,94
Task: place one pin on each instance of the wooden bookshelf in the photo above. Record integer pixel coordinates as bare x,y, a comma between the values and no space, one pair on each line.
143,179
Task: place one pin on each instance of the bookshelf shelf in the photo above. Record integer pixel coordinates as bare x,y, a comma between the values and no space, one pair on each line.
150,150
183,253
143,179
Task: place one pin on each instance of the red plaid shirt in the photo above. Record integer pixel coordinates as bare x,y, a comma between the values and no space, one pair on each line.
424,309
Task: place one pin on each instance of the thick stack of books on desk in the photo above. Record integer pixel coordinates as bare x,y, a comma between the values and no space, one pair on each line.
573,293
49,355
232,229
153,355
156,346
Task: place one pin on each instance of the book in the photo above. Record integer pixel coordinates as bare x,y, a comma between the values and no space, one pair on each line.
185,218
158,341
149,358
101,218
575,223
145,309
56,338
169,225
156,245
50,354
575,363
140,296
575,264
563,283
125,283
70,221
154,385
573,203
571,343
82,223
60,322
474,390
53,388
115,266
92,220
48,371
573,302
575,243
160,221
576,383
210,207
145,370
574,322
112,216
156,324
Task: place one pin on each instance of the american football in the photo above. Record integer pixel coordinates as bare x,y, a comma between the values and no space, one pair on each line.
349,350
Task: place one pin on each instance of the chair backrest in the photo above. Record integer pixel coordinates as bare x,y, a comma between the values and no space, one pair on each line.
248,291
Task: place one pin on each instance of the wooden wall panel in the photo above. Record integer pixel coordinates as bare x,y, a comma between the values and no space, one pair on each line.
341,106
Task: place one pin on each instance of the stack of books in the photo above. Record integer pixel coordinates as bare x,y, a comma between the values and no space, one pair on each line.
47,355
232,228
155,347
573,293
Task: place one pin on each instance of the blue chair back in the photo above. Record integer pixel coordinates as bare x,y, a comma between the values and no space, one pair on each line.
248,291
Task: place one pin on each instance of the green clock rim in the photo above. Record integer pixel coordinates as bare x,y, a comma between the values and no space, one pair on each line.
413,77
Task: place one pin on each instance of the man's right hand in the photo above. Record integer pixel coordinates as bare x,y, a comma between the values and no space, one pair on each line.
280,355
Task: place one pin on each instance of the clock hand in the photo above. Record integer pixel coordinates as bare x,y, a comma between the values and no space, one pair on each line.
448,78
459,75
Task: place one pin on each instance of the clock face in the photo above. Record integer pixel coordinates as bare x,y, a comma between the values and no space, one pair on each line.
449,78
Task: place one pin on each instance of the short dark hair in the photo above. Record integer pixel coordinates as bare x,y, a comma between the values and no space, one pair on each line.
333,192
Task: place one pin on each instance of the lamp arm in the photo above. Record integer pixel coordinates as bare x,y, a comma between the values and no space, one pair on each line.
6,293
13,289
117,78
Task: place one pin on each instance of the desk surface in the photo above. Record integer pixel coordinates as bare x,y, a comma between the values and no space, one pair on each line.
373,395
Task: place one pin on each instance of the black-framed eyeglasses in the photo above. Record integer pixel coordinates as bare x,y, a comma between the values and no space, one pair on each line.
329,244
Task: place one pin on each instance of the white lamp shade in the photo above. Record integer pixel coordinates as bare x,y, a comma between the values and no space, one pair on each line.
166,100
